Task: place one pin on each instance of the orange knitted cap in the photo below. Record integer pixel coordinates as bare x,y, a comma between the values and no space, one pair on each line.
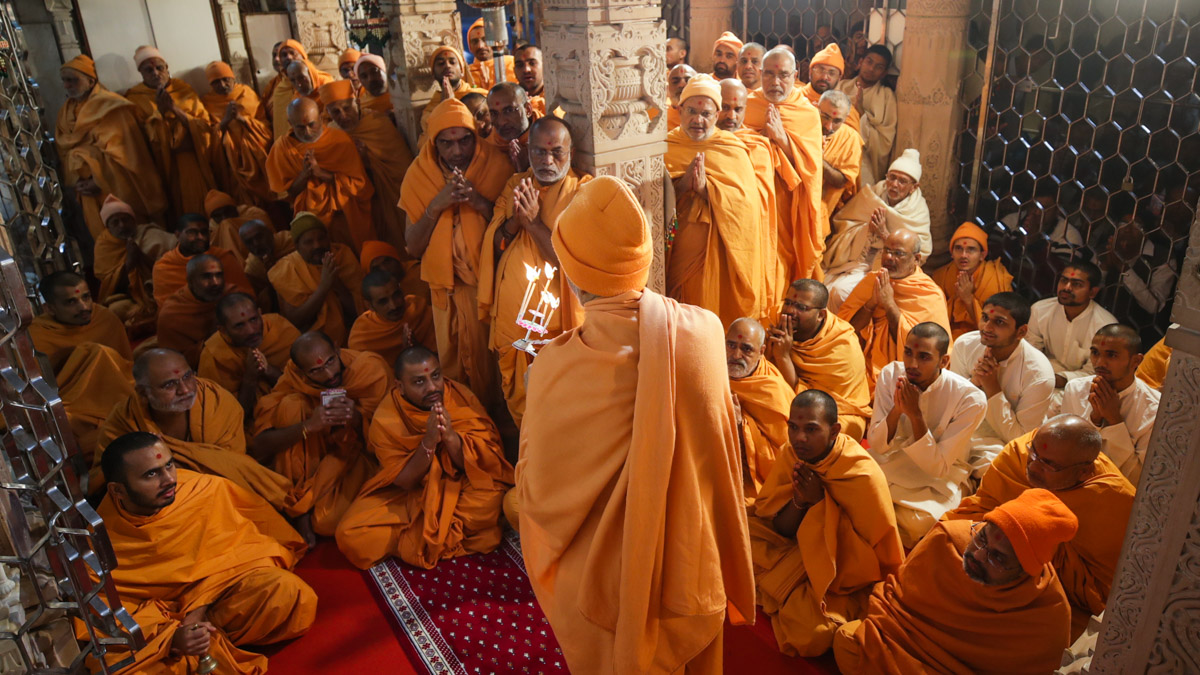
602,239
82,64
338,90
830,56
217,70
1036,522
373,249
730,40
348,56
215,199
971,231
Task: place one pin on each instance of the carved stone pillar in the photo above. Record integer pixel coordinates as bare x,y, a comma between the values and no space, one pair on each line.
1152,621
235,40
418,27
321,28
707,19
935,60
606,66
62,13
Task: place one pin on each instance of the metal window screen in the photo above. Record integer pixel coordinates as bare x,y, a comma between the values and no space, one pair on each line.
808,25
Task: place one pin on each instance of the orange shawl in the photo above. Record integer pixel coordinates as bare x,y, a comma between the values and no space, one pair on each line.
989,278
373,333
256,268
184,323
766,400
775,279
852,118
1154,365
295,280
170,272
379,105
224,234
184,149
388,160
483,74
843,150
280,91
832,361
57,340
225,364
244,146
108,264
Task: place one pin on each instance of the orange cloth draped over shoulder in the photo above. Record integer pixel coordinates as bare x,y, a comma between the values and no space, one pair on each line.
919,298
1154,365
185,322
717,260
243,146
101,138
989,279
224,233
832,361
388,160
184,149
454,512
283,93
295,280
93,366
129,285
344,204
765,399
216,445
219,546
802,230
1085,564
170,272
326,469
931,617
373,333
818,579
225,364
635,541
483,74
853,118
379,105
843,150
672,118
769,177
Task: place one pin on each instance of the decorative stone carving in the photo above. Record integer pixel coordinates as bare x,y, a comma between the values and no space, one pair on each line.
417,29
63,14
929,113
235,40
707,19
321,28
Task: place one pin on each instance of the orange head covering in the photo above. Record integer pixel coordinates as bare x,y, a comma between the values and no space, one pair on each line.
1036,522
602,239
348,56
217,70
338,90
295,44
971,231
112,206
702,85
215,199
82,64
441,50
145,52
729,40
830,56
478,24
373,249
449,114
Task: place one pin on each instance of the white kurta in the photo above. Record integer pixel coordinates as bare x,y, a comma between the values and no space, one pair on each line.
1026,385
877,127
926,474
1066,343
1125,443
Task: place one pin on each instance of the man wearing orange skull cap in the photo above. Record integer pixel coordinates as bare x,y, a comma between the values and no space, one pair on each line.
971,598
970,278
103,151
373,96
346,69
225,219
824,73
635,541
448,68
719,256
725,56
283,93
179,131
321,172
123,261
448,195
244,138
483,68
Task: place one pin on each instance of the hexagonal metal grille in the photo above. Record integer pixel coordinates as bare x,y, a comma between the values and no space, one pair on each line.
1090,143
801,24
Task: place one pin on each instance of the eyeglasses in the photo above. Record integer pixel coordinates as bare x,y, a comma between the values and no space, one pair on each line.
1050,466
799,307
995,558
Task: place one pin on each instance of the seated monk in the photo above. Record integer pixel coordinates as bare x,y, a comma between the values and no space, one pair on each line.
283,93
123,261
320,171
1064,456
677,79
188,317
442,473
760,399
483,68
225,219
88,351
969,278
373,96
199,421
511,115
887,303
313,427
518,238
1153,369
815,349
264,247
447,66
200,548
317,282
170,272
823,531
920,431
244,138
404,268
248,352
841,151
977,597
394,321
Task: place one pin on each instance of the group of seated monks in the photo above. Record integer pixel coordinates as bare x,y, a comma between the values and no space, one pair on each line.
915,470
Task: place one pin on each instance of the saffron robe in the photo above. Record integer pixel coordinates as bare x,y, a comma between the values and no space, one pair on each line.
832,361
185,322
1154,365
989,279
852,118
765,400
843,150
464,87
225,364
224,233
295,280
483,73
388,158
170,272
128,287
373,333
769,176
243,146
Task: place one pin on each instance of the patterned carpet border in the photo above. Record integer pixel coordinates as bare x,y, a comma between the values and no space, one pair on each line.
416,623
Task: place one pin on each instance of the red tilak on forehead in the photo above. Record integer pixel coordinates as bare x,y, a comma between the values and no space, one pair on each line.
322,363
158,455
739,336
176,371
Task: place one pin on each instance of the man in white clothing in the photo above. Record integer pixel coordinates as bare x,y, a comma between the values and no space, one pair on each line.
1062,327
1114,399
876,103
1016,378
920,430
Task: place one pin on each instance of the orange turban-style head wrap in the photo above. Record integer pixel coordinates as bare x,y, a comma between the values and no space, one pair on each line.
295,44
112,206
971,231
374,249
729,40
348,56
217,70
338,90
215,199
602,239
702,85
1036,522
478,24
830,56
82,64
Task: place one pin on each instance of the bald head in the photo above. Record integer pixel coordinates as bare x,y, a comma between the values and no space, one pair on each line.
305,118
258,238
297,74
165,380
1063,452
318,360
901,254
745,342
206,278
677,51
677,79
733,104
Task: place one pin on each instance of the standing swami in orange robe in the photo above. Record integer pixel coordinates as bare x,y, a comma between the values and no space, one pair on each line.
88,350
635,540
815,349
318,284
102,148
824,530
441,478
373,95
394,322
321,172
1069,463
248,352
170,271
244,139
969,278
319,442
977,597
447,65
761,398
518,240
781,112
203,548
483,68
178,130
824,72
448,196
123,262
283,93
887,304
188,317
841,152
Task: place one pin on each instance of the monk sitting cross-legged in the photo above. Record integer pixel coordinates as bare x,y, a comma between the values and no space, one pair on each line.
977,597
969,278
313,427
824,531
760,397
318,283
394,321
170,272
188,317
244,138
264,247
248,352
203,549
1064,457
442,473
123,262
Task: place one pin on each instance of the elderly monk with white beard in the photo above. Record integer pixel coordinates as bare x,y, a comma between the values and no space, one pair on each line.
760,398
